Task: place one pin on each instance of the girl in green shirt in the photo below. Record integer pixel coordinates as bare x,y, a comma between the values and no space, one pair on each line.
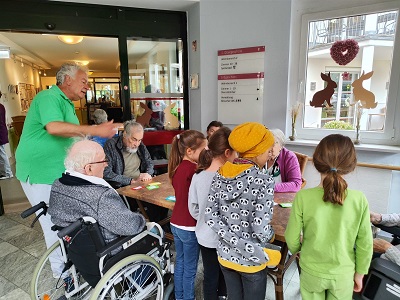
330,225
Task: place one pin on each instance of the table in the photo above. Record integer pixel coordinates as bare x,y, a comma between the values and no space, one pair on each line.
279,220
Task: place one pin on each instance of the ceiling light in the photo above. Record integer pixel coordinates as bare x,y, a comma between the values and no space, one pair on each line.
70,39
82,62
5,53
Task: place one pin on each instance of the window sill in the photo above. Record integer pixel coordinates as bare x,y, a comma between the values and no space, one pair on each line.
361,147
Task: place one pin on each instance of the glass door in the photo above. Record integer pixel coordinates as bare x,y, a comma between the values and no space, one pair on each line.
156,83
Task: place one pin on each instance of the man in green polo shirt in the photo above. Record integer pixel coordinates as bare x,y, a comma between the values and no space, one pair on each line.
49,128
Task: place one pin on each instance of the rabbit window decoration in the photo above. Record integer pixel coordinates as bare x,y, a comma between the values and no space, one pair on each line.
171,121
144,119
322,98
366,97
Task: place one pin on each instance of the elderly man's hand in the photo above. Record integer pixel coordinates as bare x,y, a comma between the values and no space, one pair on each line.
381,246
144,177
375,217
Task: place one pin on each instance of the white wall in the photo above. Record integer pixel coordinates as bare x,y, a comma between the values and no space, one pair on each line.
12,73
195,100
237,24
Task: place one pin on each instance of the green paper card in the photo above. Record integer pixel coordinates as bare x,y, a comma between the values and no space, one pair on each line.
285,205
152,187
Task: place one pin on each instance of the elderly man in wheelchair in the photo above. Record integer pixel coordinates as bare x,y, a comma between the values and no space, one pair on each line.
108,252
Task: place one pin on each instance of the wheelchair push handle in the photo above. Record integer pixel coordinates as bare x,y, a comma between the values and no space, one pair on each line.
42,205
33,209
70,228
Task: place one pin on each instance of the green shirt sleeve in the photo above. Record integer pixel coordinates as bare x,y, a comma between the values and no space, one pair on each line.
294,226
364,242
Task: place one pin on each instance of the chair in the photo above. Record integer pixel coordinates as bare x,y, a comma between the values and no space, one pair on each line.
18,124
383,279
303,159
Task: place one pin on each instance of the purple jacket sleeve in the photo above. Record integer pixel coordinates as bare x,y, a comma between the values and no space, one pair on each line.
290,172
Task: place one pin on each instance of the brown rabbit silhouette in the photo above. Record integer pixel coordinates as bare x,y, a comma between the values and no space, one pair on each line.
171,121
324,95
144,119
366,97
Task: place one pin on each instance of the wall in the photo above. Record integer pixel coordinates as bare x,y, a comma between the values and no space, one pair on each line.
196,117
12,73
48,81
237,25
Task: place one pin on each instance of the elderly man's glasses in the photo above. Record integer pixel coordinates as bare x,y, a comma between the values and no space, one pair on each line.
98,162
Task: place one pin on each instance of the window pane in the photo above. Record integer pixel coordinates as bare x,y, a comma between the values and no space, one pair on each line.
156,83
374,35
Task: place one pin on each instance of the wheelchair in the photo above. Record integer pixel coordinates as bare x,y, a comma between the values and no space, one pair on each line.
141,268
383,279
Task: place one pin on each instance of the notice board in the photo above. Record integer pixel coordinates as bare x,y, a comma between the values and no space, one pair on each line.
241,85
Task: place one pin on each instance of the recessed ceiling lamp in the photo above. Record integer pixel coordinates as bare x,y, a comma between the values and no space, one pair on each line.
70,39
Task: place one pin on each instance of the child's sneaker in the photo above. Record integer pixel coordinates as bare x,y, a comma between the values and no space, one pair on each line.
69,284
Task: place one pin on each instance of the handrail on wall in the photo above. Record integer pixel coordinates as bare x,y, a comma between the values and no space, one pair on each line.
375,166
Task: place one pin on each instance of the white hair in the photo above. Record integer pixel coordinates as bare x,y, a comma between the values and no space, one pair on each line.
99,116
70,69
279,136
78,160
132,126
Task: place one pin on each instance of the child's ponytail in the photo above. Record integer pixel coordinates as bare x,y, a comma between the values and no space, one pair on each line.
192,139
335,156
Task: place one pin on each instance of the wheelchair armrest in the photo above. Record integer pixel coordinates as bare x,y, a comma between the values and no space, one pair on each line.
387,268
392,229
118,242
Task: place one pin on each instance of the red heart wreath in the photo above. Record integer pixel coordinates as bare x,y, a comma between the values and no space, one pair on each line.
343,52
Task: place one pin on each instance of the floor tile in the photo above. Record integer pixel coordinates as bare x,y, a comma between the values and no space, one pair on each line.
292,291
26,238
18,267
14,231
6,223
16,294
6,286
36,248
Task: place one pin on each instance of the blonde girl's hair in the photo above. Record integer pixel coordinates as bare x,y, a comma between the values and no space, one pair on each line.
335,156
217,144
192,139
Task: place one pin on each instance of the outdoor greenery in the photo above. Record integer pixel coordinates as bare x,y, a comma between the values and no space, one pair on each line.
341,125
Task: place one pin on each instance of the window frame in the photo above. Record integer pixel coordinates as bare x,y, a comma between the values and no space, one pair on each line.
388,136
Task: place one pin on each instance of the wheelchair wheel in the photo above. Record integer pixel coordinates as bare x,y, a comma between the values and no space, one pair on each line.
169,293
135,277
45,286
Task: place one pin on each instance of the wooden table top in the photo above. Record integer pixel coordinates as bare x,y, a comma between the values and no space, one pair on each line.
157,197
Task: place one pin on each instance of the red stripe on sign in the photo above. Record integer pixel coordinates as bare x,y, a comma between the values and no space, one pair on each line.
241,76
241,50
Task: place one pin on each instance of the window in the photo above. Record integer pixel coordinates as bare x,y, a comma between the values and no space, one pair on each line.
363,82
156,82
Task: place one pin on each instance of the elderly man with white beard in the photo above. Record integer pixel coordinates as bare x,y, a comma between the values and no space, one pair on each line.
129,161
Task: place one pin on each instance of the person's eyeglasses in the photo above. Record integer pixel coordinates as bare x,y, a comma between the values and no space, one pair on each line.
98,162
